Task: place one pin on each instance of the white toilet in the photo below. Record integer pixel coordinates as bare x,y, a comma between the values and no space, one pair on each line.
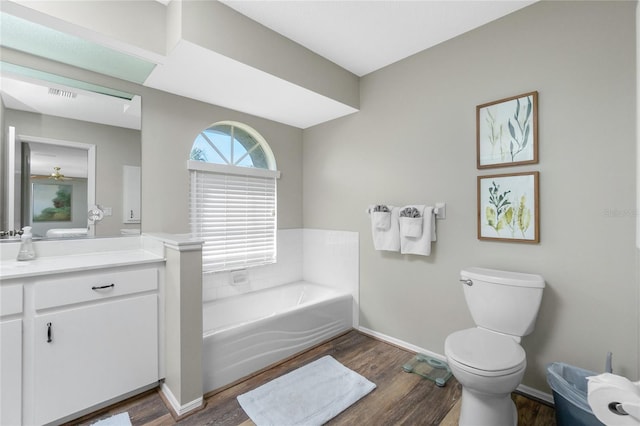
488,360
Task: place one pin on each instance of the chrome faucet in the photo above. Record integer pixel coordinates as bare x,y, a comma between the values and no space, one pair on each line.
10,233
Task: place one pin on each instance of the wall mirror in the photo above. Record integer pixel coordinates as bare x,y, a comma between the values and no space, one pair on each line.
70,156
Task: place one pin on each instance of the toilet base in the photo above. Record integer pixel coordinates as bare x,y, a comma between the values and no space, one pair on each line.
483,409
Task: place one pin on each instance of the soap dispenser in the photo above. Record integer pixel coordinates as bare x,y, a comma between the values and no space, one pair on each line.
26,245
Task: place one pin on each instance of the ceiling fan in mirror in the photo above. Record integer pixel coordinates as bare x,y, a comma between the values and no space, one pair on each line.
55,175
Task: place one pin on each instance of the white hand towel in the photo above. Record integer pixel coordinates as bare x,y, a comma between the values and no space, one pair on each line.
386,239
420,244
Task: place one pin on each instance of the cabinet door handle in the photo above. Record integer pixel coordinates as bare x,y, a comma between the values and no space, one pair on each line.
102,287
49,339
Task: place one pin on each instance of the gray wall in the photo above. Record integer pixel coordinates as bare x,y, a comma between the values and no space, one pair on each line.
414,142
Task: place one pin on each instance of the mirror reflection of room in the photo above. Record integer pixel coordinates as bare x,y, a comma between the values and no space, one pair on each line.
67,151
54,183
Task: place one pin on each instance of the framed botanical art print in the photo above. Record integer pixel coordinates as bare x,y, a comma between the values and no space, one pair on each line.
508,207
507,131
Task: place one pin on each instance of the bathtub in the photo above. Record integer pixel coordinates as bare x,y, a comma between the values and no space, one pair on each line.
244,334
67,232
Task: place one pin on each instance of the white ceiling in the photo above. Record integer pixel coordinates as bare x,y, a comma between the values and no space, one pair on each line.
363,36
44,157
24,94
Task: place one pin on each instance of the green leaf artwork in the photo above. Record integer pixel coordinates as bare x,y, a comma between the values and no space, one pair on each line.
495,134
519,128
495,212
500,212
507,207
506,131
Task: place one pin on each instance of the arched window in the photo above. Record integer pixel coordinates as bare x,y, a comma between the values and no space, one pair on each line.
233,197
233,144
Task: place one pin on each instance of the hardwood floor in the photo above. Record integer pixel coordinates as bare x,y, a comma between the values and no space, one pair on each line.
399,399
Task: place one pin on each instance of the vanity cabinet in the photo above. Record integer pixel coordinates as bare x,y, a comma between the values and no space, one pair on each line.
78,332
11,355
95,337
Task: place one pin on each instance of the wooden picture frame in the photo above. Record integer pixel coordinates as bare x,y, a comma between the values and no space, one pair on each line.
509,207
507,132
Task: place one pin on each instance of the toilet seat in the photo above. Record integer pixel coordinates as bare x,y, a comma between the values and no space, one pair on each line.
485,353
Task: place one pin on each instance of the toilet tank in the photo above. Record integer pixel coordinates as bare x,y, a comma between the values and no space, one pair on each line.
502,301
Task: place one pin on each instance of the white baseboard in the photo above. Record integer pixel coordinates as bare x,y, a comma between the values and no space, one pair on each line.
180,409
535,393
401,343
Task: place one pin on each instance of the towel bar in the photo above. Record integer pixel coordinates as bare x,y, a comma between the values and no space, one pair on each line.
439,210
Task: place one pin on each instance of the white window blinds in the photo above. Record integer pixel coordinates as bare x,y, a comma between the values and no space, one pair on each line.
235,214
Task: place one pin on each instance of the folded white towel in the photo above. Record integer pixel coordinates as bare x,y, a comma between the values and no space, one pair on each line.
386,239
413,242
411,226
381,220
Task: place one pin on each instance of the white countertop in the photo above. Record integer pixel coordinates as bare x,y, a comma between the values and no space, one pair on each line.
12,269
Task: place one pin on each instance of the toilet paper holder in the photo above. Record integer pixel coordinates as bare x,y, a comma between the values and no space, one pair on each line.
625,409
616,408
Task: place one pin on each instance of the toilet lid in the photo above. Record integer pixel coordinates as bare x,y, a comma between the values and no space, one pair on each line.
485,350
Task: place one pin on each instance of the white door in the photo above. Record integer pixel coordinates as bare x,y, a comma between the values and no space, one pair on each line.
12,181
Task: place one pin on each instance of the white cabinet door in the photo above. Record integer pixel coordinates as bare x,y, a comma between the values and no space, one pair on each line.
91,354
131,194
11,372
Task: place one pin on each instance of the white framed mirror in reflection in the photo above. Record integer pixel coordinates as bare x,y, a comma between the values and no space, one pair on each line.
69,150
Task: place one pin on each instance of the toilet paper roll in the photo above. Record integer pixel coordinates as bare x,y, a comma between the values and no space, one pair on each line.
605,390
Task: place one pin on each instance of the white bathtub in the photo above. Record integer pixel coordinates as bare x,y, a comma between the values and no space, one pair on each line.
243,334
67,232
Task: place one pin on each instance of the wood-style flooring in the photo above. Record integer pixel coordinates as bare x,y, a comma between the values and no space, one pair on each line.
399,399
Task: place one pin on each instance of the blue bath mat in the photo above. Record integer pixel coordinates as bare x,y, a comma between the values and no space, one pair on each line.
311,395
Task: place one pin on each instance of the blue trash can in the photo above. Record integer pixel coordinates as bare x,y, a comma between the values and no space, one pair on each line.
569,386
